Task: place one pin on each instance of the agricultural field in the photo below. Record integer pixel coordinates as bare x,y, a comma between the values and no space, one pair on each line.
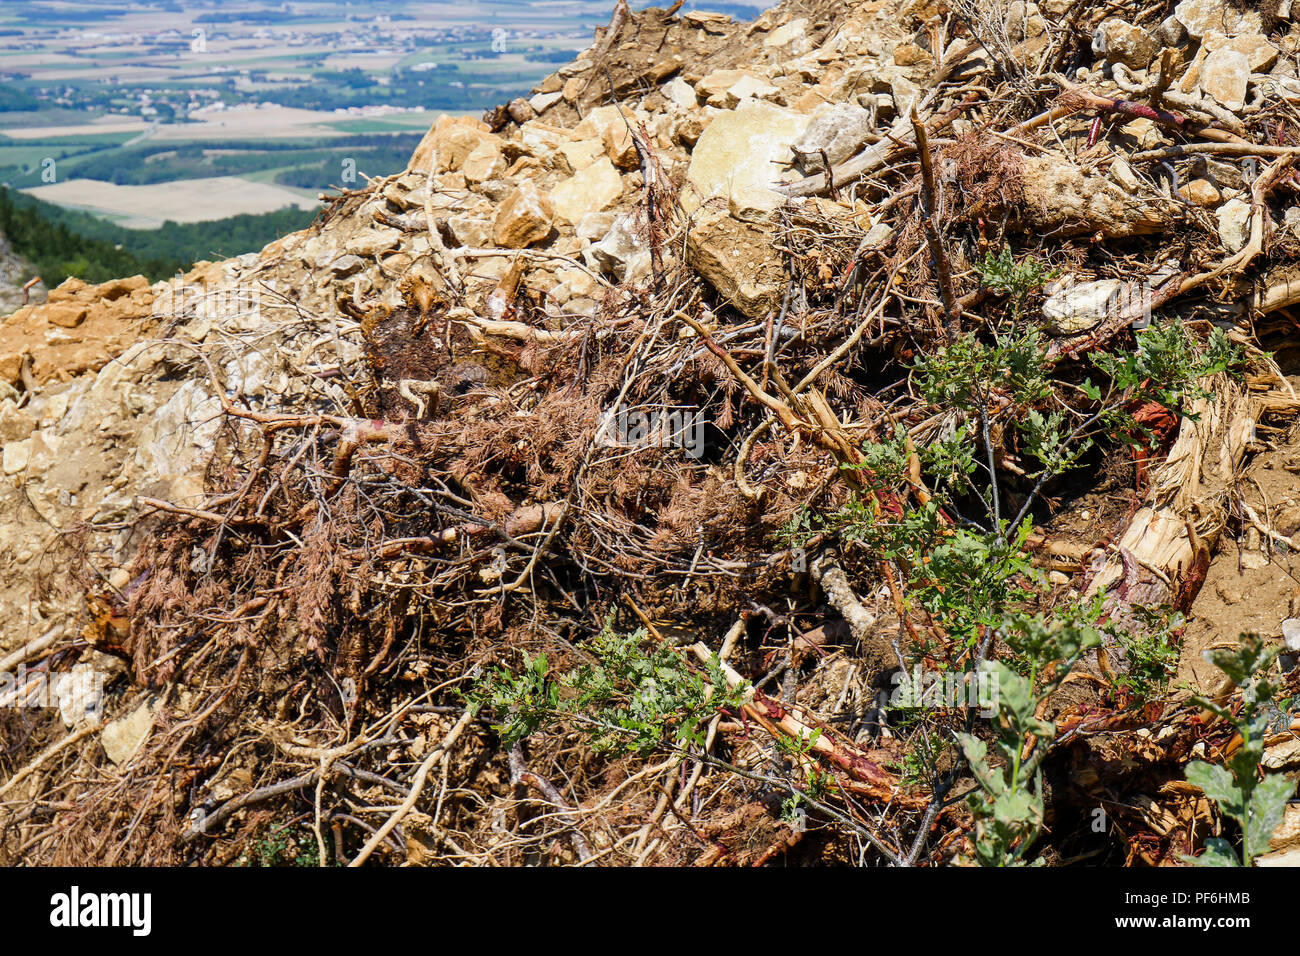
132,109
219,123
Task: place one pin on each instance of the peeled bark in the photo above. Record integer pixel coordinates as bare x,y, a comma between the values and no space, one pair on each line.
1163,555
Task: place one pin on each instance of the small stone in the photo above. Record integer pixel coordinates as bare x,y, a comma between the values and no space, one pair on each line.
16,456
373,241
1201,17
1024,21
738,260
681,93
1234,224
541,102
1171,32
347,265
904,93
1260,54
121,738
623,253
714,86
1225,74
620,146
524,218
748,88
15,424
1079,308
1122,173
67,290
595,225
67,315
573,88
910,54
1291,633
520,110
469,232
1147,134
796,29
495,189
592,189
484,162
1200,192
1121,42
580,154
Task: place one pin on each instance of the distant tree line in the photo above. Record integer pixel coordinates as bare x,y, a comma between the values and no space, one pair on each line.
62,242
56,252
13,99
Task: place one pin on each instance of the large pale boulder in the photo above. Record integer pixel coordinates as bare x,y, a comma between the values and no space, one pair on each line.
745,151
589,190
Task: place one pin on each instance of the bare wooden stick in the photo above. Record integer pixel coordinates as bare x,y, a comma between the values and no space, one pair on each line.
31,648
938,253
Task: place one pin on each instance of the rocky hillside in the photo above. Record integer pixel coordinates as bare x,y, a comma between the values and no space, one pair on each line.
582,487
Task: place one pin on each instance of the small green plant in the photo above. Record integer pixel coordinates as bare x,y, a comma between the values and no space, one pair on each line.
1166,367
1008,807
1003,272
1150,650
917,767
283,846
634,697
820,783
1256,804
